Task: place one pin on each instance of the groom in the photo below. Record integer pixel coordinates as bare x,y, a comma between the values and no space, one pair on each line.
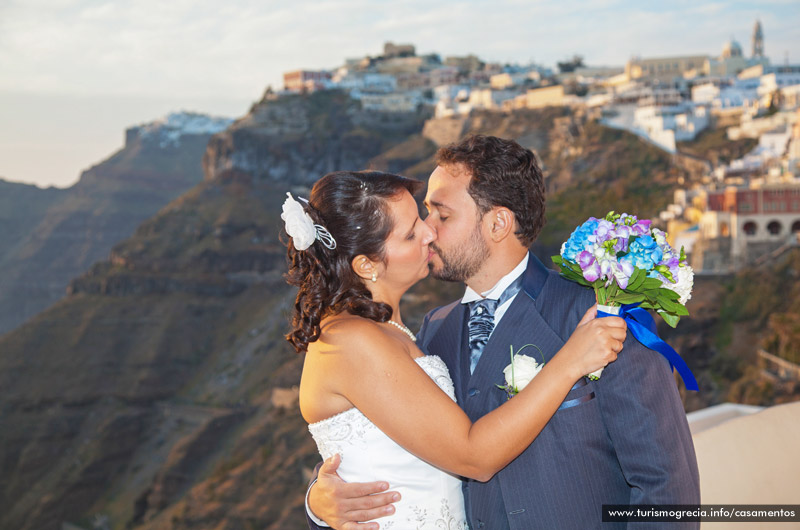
622,439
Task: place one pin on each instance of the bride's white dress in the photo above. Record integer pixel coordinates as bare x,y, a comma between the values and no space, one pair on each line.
431,498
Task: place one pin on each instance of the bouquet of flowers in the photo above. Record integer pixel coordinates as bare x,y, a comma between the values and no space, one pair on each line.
631,268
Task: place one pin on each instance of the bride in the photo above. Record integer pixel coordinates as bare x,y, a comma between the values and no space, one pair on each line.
369,394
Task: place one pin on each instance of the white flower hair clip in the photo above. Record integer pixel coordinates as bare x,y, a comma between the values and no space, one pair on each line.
301,227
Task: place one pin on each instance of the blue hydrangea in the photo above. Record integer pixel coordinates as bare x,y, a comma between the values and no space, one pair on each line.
644,253
579,240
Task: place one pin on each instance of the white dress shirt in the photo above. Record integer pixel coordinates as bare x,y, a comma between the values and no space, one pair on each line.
494,293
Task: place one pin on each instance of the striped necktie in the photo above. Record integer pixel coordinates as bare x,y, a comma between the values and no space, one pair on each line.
481,321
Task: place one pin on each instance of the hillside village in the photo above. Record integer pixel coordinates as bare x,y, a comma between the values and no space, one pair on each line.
160,392
740,210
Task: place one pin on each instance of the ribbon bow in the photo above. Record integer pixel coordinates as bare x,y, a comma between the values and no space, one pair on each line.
643,327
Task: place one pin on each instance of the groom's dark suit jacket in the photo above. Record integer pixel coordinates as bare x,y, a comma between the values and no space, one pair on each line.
623,440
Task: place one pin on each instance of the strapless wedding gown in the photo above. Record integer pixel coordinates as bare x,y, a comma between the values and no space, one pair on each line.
431,498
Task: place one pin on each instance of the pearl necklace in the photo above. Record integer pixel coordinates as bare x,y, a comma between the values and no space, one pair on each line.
403,329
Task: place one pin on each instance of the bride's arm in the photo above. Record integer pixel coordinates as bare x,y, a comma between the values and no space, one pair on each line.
378,376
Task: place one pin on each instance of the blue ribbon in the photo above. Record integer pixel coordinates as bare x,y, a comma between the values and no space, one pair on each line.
643,327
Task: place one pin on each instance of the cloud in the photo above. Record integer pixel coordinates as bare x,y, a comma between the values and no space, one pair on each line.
205,48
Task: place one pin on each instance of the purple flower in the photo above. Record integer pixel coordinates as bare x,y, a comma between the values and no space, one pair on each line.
622,231
671,261
592,272
623,273
585,259
604,231
641,228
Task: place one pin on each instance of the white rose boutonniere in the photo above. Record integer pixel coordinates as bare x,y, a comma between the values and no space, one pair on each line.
521,371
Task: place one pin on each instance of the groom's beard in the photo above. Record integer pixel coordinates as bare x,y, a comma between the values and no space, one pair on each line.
464,261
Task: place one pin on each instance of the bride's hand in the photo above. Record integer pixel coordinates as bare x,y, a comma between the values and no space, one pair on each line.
595,342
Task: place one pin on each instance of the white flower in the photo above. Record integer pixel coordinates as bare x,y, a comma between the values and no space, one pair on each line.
525,369
660,236
299,224
683,283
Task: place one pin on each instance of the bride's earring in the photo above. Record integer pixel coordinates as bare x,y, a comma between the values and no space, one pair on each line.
374,276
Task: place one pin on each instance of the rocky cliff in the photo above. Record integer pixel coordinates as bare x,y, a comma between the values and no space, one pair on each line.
51,236
159,392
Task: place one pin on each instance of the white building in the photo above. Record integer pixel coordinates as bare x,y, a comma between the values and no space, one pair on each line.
360,82
752,127
723,96
445,75
451,100
512,79
665,125
393,102
775,81
486,98
790,97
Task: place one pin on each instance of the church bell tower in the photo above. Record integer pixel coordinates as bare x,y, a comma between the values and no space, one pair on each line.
758,40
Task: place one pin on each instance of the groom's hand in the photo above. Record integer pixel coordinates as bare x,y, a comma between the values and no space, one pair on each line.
344,504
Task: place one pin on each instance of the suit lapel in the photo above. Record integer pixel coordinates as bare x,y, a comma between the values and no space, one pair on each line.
522,324
449,343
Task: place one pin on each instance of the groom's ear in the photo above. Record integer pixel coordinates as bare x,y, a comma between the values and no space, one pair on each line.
502,222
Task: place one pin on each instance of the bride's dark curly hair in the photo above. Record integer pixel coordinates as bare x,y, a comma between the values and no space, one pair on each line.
352,206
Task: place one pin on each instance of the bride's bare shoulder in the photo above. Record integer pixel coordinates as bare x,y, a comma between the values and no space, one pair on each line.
350,331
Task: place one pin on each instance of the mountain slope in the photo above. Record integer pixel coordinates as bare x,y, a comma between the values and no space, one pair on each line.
164,370
79,225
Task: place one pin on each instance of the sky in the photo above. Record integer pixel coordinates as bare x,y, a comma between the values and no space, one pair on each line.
75,73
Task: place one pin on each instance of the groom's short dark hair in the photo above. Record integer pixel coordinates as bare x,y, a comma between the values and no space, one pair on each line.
503,173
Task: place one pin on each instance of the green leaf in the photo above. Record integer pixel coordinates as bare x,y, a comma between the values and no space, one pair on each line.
575,267
602,295
636,280
669,294
672,307
558,260
568,273
651,283
574,277
629,298
670,319
652,294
